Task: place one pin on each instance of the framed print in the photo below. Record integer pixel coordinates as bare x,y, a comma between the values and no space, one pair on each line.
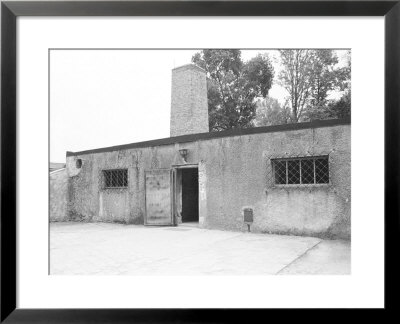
163,158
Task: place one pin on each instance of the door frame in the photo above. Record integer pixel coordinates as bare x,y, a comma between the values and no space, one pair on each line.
175,168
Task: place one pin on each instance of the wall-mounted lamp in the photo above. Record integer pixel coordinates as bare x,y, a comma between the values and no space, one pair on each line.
183,153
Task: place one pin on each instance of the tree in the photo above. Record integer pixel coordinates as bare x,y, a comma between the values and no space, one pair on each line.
333,109
344,74
233,86
342,107
340,80
324,76
270,112
308,76
296,78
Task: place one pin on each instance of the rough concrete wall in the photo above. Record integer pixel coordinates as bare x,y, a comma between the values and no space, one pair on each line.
233,173
237,170
203,214
88,201
189,107
58,196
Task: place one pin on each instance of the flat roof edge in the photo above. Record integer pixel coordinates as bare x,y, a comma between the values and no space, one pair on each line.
212,135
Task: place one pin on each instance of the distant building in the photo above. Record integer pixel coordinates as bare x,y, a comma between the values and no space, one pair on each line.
289,179
56,166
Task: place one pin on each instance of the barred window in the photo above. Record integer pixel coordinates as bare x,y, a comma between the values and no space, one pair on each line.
115,178
305,170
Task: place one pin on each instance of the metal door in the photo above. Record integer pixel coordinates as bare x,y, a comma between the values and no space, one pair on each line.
158,197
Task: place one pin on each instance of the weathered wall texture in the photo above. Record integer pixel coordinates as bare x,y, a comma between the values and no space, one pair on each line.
189,106
58,196
240,175
233,173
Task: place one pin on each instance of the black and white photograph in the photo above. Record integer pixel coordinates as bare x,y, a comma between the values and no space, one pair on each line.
200,161
189,161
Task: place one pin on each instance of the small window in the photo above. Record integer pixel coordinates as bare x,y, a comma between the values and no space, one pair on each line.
301,171
115,178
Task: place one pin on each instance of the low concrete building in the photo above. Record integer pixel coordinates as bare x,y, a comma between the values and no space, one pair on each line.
292,179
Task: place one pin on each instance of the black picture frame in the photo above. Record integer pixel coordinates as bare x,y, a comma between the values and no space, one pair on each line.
11,10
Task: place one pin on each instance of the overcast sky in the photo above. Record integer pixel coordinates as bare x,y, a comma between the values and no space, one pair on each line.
102,98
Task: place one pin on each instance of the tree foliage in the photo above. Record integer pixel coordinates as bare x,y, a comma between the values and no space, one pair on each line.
270,112
233,86
342,107
296,78
308,77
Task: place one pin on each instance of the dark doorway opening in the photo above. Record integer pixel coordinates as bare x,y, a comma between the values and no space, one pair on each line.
190,195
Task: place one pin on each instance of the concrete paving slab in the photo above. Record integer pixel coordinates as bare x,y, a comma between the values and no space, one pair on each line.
326,258
115,249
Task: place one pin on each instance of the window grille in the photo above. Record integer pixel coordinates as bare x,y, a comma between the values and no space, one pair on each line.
301,171
115,178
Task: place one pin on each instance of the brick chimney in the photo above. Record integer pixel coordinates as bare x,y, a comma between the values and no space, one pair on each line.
189,107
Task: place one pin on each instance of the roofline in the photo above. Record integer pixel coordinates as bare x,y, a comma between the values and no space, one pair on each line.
212,135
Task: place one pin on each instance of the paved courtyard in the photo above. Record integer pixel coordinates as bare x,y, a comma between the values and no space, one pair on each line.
115,249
